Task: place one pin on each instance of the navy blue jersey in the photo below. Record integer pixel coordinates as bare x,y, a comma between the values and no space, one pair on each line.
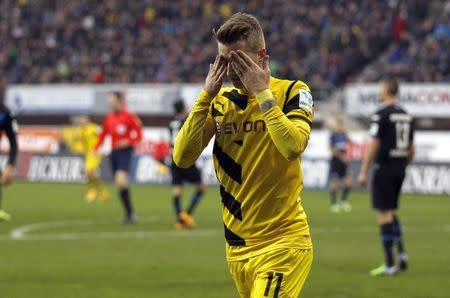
9,126
175,125
339,141
394,127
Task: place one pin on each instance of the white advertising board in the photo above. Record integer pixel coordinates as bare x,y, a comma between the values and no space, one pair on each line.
421,100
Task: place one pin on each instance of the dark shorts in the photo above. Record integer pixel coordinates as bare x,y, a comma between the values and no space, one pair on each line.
121,159
181,175
338,168
386,186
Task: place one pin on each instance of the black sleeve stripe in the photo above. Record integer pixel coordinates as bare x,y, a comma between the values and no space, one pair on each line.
304,118
288,91
211,110
292,104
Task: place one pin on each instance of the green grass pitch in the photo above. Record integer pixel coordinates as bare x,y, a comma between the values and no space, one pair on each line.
65,248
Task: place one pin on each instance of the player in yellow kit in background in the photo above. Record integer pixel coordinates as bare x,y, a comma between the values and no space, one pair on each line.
261,126
82,139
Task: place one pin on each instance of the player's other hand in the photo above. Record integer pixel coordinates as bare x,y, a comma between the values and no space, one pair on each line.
98,152
124,144
8,174
362,178
216,74
255,78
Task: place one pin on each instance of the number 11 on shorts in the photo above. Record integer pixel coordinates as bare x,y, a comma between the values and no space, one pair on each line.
270,277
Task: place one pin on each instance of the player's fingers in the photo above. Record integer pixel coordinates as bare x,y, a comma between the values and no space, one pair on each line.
222,68
238,60
265,62
239,71
220,65
244,57
238,67
222,73
214,66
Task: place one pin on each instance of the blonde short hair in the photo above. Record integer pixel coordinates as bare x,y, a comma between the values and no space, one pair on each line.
241,26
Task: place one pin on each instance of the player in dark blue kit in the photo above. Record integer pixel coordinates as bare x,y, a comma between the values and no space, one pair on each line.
339,177
391,149
9,126
184,219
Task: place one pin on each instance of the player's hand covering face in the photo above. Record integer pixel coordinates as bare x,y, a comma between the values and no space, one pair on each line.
216,74
255,78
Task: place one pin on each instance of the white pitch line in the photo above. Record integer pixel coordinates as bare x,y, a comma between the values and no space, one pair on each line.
115,235
19,233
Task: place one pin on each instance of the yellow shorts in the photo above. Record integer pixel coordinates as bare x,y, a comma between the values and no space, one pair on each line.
92,162
279,273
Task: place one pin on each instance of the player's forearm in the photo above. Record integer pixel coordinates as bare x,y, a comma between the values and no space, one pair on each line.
189,141
411,152
12,156
290,138
100,141
13,147
370,155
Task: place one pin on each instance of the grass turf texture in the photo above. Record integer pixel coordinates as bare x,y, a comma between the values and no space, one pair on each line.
150,260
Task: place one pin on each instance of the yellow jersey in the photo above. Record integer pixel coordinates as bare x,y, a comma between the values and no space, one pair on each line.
88,137
81,139
257,161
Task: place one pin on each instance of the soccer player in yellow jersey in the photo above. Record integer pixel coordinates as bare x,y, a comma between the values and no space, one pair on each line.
87,135
261,127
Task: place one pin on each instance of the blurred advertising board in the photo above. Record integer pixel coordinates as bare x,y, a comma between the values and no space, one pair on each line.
430,172
361,100
36,139
49,99
421,100
144,99
421,177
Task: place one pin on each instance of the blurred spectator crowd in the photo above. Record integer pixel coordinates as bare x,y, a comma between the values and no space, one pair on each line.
324,43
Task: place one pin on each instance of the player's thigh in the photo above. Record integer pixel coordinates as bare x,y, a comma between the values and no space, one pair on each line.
241,277
383,190
177,175
397,187
92,162
282,273
124,160
193,175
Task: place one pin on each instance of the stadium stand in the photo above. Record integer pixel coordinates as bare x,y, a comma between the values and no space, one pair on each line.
170,41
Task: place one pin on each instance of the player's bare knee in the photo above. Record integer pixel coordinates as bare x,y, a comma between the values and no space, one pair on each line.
201,187
385,216
121,180
89,174
348,183
334,185
177,190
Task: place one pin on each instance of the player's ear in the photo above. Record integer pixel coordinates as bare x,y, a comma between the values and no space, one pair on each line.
261,56
262,53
